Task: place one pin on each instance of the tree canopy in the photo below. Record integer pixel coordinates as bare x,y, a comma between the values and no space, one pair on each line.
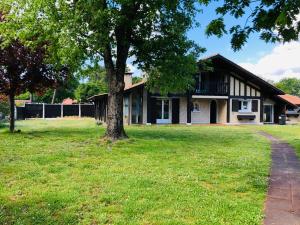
274,20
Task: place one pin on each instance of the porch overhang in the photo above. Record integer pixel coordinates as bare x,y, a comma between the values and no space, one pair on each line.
209,97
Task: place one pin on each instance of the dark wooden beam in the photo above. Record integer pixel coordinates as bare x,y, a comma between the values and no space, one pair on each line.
189,108
228,110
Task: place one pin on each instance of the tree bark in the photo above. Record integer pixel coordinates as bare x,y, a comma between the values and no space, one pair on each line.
115,127
12,113
53,96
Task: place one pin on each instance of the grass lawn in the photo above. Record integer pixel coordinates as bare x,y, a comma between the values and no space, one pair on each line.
59,172
289,133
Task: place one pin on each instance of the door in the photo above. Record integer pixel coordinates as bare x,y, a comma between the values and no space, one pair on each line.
175,110
213,111
268,114
162,111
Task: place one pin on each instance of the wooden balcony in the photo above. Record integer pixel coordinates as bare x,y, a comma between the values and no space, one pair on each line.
212,88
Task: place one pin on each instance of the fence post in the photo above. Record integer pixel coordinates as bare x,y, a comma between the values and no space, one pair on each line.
61,110
43,110
79,105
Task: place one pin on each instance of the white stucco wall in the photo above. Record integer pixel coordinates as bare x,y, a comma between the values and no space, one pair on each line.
222,111
293,120
182,110
202,117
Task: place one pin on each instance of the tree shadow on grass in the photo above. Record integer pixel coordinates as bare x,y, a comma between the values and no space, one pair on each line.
3,125
48,209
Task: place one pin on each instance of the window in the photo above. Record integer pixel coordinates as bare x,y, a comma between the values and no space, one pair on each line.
196,107
245,106
162,111
126,107
137,108
242,105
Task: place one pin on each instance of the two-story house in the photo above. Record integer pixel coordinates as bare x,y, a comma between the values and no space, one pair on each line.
228,94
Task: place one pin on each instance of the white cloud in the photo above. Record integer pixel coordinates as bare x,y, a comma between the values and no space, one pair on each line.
282,62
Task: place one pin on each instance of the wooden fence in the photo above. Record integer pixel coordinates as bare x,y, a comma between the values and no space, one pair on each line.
42,110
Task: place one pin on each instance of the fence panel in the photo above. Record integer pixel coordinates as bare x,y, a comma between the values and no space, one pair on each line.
71,110
20,113
52,111
33,110
87,110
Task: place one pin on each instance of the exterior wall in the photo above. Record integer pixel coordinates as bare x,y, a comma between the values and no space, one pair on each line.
145,94
202,117
293,119
222,111
182,110
240,88
234,119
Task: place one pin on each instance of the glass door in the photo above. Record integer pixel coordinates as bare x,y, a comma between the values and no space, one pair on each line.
163,111
268,114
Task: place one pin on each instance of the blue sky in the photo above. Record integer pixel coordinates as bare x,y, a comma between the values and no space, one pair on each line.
251,52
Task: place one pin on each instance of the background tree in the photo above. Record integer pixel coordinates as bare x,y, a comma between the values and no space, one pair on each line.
22,69
86,90
289,86
65,89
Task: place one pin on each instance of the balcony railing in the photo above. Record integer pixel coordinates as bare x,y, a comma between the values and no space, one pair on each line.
212,88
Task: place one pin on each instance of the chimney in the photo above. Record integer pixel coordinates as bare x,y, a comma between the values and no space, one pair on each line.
128,79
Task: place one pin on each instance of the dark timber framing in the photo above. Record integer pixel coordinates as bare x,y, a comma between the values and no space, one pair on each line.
189,108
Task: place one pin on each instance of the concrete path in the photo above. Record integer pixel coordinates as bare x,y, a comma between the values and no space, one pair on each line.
282,206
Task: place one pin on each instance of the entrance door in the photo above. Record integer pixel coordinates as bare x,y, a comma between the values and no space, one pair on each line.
268,114
163,111
213,111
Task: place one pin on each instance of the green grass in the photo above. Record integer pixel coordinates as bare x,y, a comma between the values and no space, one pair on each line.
288,133
60,172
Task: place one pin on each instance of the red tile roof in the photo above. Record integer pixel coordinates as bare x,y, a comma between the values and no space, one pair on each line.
69,101
295,100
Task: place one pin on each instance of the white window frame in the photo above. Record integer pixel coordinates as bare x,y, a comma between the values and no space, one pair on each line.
163,120
194,108
249,106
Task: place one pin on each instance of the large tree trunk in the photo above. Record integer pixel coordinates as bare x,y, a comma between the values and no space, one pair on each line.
12,113
115,128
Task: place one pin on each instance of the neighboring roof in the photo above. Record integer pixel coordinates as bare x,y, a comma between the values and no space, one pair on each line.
295,100
247,74
69,101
